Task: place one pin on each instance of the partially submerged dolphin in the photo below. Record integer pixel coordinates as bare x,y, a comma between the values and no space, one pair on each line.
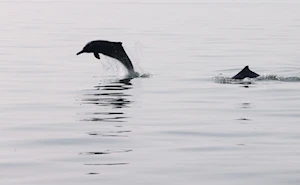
111,49
245,73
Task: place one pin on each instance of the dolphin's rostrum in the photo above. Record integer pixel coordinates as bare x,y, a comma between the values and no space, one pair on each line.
111,49
245,73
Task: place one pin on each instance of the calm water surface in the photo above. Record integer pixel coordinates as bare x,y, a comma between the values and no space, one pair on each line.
71,120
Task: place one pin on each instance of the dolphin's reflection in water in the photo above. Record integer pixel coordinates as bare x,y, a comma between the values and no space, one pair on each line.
110,99
111,95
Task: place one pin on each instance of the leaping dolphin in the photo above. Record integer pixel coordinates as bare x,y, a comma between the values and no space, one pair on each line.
245,73
111,49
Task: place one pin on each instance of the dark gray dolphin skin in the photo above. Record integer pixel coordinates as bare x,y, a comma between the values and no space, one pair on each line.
111,49
245,73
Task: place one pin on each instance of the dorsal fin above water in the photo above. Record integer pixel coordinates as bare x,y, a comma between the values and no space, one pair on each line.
245,73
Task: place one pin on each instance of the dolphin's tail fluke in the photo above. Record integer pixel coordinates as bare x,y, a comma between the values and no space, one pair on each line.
245,73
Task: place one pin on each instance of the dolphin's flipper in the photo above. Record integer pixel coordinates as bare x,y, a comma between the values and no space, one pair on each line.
97,55
245,73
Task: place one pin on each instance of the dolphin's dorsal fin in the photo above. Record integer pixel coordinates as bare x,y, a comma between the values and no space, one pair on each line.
97,55
245,73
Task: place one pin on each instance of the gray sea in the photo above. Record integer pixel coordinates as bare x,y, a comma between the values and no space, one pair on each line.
73,120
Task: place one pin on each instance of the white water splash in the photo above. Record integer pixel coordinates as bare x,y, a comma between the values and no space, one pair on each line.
278,78
138,75
228,80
